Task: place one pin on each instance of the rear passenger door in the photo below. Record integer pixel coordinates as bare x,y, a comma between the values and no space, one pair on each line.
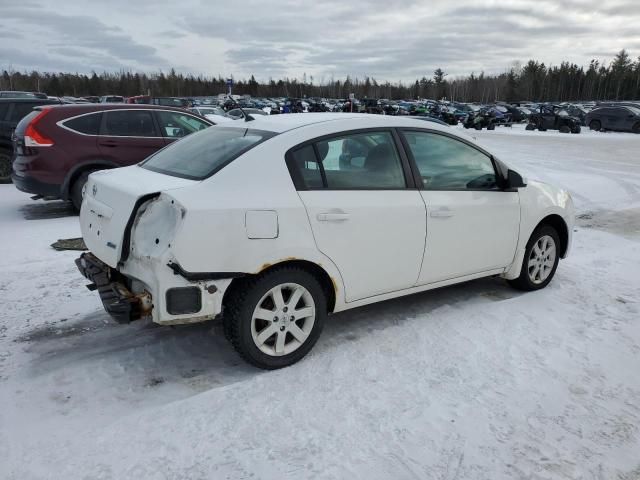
5,128
364,212
12,113
128,136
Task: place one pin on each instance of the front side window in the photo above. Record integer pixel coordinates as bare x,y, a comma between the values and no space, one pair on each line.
358,161
202,154
87,124
129,123
177,125
445,163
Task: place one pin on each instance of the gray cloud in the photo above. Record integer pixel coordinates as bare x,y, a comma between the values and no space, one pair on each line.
388,39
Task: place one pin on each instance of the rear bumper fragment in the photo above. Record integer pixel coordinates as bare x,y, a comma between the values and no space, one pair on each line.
122,304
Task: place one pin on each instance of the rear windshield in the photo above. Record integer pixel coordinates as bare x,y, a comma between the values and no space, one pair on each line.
202,154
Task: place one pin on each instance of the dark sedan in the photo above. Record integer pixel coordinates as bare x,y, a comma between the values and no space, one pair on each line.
621,119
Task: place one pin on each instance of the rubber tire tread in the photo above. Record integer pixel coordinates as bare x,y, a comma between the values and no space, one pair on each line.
240,305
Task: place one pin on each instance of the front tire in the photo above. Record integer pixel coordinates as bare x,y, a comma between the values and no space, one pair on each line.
595,125
540,261
273,320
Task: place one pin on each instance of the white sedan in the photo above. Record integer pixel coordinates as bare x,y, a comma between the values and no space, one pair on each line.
274,223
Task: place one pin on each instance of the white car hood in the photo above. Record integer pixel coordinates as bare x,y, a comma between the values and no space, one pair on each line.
109,201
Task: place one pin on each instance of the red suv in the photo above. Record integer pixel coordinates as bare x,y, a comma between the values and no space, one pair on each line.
56,148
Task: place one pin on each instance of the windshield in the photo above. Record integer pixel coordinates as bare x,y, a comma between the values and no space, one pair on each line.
634,110
202,154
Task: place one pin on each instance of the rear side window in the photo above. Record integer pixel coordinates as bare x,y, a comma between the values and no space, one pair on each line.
307,166
20,110
358,161
87,124
202,154
129,123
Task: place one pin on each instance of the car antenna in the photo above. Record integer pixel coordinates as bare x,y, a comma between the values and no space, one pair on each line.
247,117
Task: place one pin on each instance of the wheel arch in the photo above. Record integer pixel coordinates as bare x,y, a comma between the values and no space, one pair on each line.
328,283
557,222
77,170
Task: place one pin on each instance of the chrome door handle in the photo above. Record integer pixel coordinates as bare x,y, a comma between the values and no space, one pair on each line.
332,217
441,213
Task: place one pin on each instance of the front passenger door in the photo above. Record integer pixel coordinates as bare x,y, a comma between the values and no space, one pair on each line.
472,225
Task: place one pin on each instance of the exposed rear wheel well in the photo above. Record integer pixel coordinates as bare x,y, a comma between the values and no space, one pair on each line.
316,270
560,226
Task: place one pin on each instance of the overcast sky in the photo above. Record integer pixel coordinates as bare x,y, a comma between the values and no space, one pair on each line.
387,39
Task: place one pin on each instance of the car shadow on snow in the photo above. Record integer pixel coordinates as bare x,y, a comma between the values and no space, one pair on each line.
198,356
195,357
351,324
47,210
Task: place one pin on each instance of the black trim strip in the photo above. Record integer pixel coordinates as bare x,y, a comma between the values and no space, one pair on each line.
195,276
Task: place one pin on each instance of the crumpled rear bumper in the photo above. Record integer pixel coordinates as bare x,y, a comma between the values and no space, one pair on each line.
119,302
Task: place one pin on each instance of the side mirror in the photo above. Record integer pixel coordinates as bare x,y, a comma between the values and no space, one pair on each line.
515,180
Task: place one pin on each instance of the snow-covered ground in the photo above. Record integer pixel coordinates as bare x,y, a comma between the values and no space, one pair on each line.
475,381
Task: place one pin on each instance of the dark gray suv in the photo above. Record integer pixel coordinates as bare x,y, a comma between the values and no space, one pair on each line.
621,118
12,110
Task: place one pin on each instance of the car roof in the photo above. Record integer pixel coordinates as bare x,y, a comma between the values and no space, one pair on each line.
99,107
285,122
42,101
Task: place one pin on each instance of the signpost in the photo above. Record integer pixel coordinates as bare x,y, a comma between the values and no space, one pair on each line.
229,84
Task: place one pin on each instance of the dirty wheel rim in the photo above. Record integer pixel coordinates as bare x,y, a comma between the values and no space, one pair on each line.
541,259
283,319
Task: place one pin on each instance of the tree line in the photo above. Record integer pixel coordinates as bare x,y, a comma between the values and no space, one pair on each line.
533,81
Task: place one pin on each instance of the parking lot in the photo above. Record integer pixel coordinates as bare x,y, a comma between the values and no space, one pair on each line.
472,381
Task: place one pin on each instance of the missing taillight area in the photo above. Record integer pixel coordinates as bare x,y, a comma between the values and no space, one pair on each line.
33,137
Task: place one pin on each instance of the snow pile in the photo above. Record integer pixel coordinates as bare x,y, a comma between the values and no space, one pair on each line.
475,381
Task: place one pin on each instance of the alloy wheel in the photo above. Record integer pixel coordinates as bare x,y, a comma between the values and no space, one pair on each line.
541,259
283,319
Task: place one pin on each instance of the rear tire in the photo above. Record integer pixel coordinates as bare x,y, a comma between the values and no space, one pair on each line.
540,261
576,129
271,333
530,126
595,125
491,126
5,166
75,192
564,129
636,128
